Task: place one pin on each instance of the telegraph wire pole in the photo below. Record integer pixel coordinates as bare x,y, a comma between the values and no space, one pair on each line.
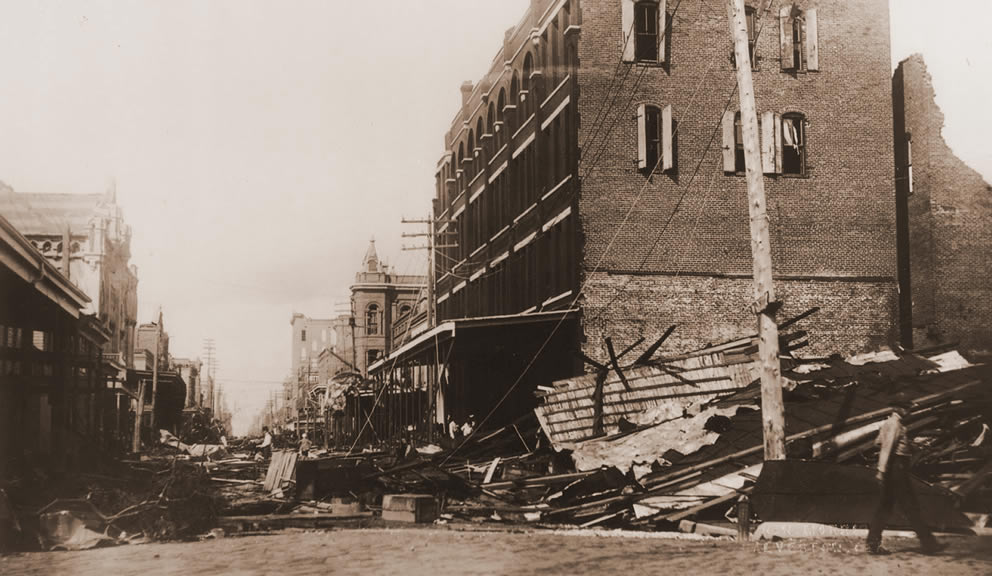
764,305
158,350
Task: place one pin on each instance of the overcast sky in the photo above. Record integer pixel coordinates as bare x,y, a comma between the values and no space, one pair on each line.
257,146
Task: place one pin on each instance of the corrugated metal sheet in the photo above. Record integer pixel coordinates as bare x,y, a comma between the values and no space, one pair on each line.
567,413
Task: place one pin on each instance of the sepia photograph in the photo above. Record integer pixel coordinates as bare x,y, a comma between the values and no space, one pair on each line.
532,287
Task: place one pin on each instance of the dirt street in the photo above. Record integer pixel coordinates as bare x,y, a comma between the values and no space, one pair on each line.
435,552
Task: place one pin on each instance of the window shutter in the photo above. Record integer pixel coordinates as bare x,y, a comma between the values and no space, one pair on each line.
627,29
812,50
662,31
778,143
767,127
642,135
785,37
666,138
728,142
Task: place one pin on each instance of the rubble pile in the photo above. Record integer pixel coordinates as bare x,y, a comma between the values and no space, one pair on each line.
661,443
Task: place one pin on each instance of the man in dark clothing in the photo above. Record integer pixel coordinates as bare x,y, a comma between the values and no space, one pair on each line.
896,484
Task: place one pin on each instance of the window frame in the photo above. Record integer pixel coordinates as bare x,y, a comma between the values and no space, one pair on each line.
799,120
645,17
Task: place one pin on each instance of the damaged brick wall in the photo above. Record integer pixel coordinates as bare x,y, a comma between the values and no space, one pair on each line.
945,240
833,230
652,303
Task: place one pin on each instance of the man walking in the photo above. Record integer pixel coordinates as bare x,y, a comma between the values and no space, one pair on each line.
896,484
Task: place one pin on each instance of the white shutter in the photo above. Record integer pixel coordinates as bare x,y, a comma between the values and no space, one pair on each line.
662,17
785,37
767,129
812,50
627,29
667,161
642,134
729,164
778,143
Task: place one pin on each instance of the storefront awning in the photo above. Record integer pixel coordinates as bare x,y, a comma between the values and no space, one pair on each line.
447,330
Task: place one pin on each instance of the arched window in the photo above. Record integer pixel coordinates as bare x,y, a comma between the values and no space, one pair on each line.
526,92
794,144
500,123
372,320
511,116
460,167
490,130
404,310
480,131
469,156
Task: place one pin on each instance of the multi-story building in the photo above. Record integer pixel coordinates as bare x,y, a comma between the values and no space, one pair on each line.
595,175
86,238
310,337
189,371
944,214
602,151
378,297
145,339
50,385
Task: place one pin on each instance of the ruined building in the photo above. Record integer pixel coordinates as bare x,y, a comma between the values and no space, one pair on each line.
944,215
592,183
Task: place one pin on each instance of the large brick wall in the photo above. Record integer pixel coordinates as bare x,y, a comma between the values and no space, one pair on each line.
651,303
833,232
945,236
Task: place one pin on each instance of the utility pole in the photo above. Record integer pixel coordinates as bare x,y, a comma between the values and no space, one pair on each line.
764,305
158,350
432,247
208,352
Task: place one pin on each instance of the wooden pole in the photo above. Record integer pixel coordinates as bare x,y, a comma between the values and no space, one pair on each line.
139,411
764,305
158,348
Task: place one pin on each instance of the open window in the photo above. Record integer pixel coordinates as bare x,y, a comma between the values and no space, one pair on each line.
799,39
782,143
643,30
793,144
654,138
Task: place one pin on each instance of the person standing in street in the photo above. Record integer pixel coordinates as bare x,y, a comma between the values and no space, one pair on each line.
896,485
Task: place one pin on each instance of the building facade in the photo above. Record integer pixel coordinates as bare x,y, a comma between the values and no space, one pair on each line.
52,400
379,296
599,165
944,214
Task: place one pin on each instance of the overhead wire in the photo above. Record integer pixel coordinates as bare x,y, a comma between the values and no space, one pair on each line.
602,257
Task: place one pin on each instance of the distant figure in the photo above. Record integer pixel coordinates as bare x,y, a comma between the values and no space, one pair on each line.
305,446
896,484
452,428
266,446
223,441
469,426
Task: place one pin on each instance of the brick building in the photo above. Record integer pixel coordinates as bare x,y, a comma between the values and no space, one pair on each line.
944,210
595,176
379,296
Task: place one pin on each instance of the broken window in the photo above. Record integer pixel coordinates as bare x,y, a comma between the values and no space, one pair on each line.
799,39
793,144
